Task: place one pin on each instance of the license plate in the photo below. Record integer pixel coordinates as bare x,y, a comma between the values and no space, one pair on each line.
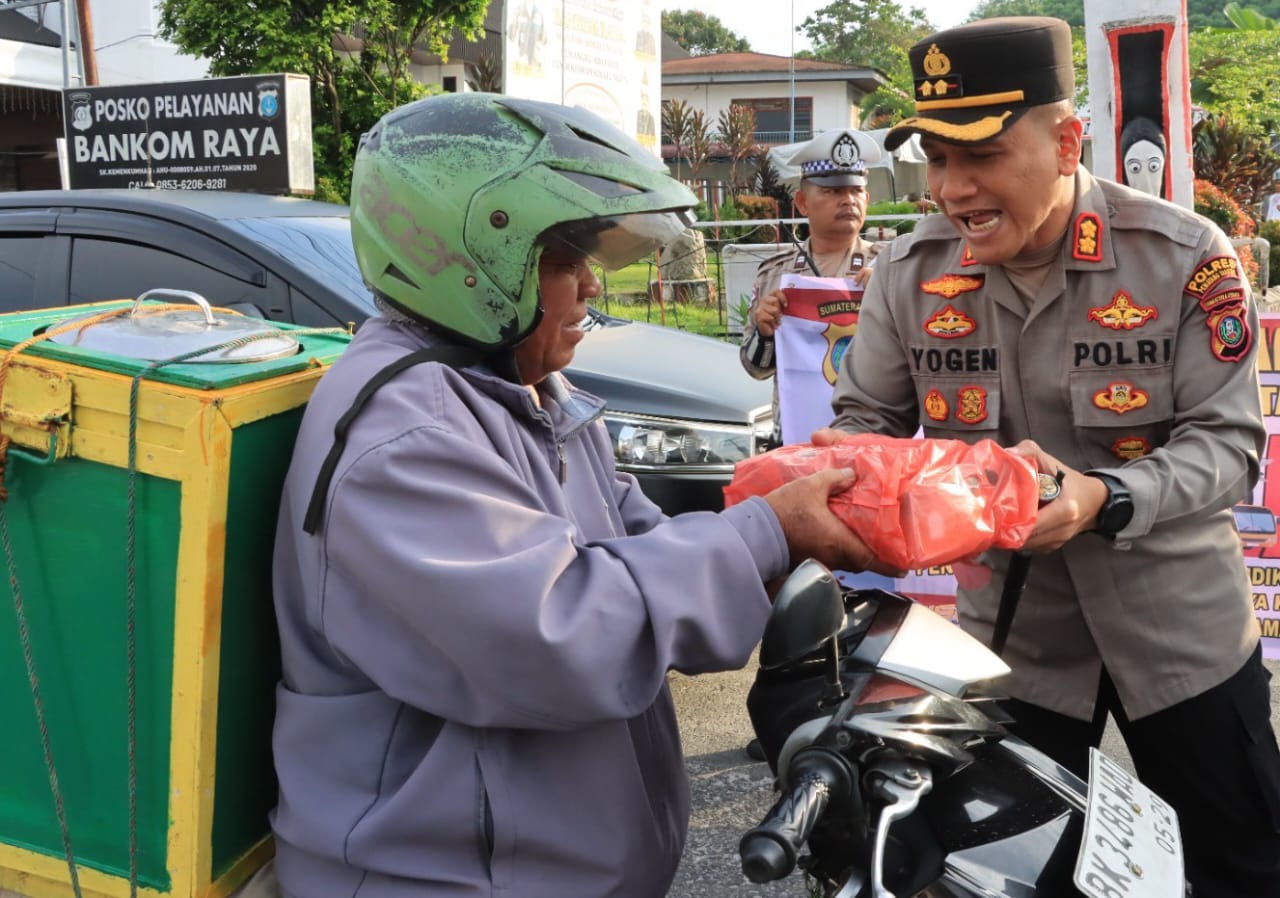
1131,846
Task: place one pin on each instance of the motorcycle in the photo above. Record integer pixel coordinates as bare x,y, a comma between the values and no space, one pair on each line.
897,773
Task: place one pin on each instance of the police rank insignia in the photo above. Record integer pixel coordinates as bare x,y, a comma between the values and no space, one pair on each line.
949,324
935,406
971,405
1122,314
967,259
1230,336
1120,397
1130,447
1212,272
952,285
1086,244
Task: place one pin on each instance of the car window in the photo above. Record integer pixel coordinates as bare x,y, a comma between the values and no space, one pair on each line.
319,246
112,269
19,258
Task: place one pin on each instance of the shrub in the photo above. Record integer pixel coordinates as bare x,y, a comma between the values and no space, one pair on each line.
892,208
1217,206
1222,210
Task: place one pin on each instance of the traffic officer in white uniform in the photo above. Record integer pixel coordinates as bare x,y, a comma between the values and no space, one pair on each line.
833,196
1110,336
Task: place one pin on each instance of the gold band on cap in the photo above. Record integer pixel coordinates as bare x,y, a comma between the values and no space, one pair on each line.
983,128
1008,96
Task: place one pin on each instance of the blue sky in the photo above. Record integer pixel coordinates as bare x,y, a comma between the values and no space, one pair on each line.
768,25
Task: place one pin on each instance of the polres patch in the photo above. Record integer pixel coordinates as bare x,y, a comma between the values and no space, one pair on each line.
1211,273
1230,336
950,324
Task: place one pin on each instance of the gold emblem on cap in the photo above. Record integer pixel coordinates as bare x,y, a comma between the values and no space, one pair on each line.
936,63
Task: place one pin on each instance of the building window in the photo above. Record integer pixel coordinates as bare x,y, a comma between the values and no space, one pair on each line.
450,84
772,118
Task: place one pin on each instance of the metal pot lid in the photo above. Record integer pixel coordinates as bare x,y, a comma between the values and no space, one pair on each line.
165,333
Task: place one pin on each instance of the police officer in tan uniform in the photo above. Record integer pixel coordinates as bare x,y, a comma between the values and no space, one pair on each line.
833,196
1110,337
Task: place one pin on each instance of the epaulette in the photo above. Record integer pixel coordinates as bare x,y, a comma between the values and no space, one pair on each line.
1133,210
785,255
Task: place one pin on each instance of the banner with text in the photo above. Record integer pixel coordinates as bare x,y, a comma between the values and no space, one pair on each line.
249,133
598,54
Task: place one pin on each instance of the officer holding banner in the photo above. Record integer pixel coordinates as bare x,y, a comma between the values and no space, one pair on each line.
1110,336
833,196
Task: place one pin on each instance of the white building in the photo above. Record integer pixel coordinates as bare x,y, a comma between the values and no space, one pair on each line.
32,67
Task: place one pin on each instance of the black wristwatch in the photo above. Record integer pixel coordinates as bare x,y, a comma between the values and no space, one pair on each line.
1117,511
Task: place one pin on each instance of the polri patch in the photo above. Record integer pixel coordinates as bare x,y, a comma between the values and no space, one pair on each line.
971,404
1086,242
952,285
1130,447
950,324
1211,273
935,405
1123,313
1230,335
1120,397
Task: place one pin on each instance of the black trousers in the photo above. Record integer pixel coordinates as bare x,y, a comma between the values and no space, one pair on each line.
1213,757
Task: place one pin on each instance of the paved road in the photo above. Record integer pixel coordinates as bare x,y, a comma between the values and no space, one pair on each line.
731,793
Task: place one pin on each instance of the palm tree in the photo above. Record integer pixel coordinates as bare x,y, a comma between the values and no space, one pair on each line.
676,116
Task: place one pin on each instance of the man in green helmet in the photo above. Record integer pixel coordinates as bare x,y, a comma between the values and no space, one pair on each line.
477,612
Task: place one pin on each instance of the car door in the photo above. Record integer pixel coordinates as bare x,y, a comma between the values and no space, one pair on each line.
118,255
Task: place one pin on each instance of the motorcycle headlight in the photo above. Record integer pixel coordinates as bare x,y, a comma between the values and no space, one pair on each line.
645,443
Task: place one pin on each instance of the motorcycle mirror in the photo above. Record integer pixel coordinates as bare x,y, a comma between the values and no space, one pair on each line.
807,612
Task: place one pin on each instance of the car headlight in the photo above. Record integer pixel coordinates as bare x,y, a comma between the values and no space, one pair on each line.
646,443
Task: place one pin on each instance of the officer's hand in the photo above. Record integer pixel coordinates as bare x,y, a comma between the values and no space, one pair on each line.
1074,511
827,436
863,275
813,531
766,315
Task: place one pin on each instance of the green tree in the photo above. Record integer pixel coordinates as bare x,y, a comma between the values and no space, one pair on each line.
350,91
1072,11
875,33
700,33
1233,73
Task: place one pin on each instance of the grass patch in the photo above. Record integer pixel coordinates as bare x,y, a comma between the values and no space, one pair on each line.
698,318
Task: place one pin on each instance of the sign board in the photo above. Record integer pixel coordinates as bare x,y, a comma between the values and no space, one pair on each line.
249,133
598,54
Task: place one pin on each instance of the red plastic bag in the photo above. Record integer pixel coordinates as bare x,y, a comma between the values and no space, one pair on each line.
916,503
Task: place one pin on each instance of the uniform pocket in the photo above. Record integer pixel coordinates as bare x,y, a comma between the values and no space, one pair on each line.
495,827
952,407
1121,415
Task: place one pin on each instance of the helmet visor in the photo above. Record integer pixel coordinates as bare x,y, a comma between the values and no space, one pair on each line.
618,241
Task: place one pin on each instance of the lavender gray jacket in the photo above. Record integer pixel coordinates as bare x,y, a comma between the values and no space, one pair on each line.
476,643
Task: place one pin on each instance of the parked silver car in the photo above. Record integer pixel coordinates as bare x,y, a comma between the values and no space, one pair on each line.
680,408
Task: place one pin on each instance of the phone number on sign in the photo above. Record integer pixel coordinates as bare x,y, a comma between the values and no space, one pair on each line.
183,184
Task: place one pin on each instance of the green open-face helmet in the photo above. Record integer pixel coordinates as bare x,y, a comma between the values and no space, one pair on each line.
453,199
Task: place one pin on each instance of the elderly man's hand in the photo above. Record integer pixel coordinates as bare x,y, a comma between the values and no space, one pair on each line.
813,531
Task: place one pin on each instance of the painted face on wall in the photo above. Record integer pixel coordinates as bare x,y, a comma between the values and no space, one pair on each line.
1144,167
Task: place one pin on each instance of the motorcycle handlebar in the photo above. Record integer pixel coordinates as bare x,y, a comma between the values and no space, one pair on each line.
769,851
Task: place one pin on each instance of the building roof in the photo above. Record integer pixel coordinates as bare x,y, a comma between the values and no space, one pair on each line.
758,67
